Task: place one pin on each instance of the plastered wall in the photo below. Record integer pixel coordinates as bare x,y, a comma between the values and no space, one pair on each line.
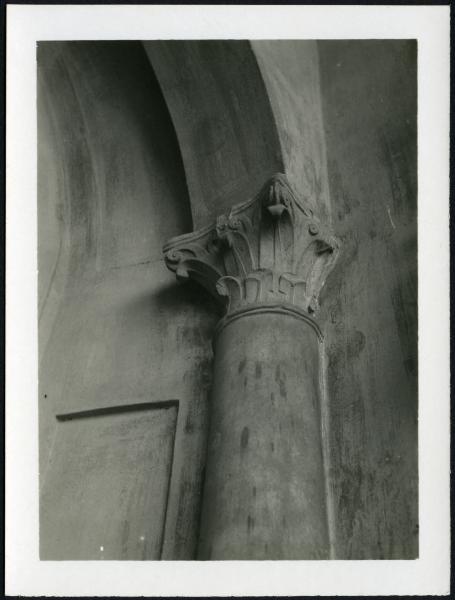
115,327
370,303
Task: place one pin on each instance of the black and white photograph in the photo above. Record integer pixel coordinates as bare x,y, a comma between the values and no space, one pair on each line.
228,322
227,254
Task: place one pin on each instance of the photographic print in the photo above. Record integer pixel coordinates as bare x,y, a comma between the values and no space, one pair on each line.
227,252
227,301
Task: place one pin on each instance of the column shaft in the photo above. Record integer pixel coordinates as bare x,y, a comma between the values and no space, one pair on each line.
264,494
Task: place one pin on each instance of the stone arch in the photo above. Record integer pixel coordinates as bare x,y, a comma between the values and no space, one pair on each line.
242,112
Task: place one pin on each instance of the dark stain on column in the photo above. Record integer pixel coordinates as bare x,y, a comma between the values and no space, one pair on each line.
280,378
355,344
244,438
258,371
250,523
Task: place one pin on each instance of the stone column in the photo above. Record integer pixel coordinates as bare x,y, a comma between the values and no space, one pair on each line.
265,490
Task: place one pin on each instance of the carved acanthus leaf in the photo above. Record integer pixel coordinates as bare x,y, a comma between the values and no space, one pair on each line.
270,249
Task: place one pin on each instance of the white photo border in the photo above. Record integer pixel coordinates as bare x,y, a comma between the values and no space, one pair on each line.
25,574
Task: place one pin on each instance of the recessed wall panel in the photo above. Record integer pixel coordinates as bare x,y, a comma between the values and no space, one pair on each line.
105,491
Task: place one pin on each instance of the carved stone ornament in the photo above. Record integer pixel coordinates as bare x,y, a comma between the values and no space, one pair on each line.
269,250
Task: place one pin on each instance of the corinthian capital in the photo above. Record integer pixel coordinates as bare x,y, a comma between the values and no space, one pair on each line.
271,249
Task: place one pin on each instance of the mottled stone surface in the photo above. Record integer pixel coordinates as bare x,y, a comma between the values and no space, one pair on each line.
369,94
264,491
